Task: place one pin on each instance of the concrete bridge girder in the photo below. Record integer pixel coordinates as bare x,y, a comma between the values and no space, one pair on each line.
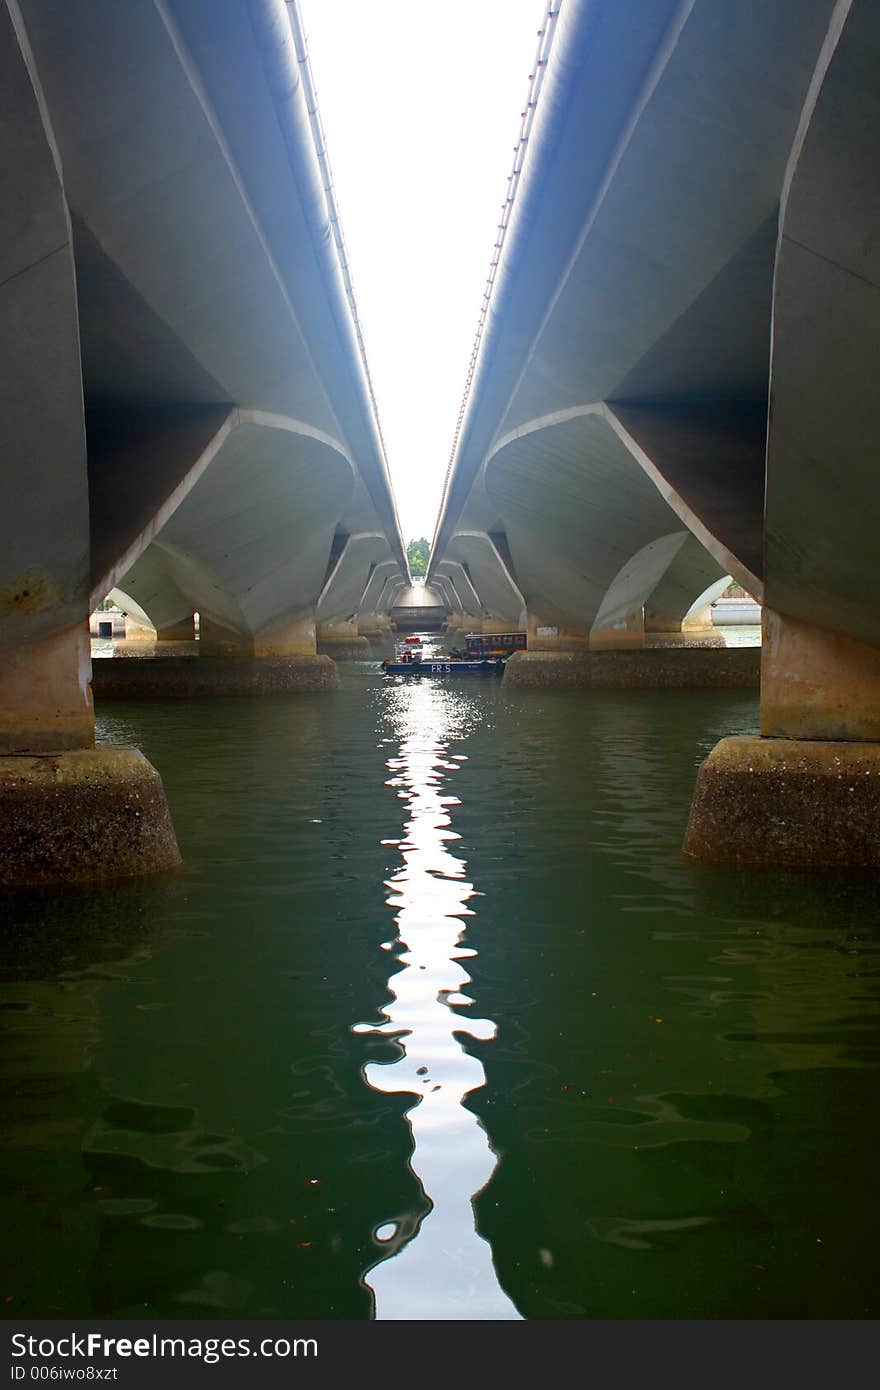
175,181
638,267
206,262
700,153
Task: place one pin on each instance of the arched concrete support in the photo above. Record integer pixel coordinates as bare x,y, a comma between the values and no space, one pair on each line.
450,595
151,594
258,525
142,638
462,582
344,589
499,594
342,595
707,462
682,600
372,622
247,545
576,507
654,592
808,791
59,810
620,621
376,585
142,464
139,626
395,586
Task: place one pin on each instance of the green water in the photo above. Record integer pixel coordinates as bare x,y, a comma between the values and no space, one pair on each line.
663,1092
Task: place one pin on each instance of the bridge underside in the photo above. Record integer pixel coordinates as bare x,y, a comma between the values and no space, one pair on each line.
187,416
711,246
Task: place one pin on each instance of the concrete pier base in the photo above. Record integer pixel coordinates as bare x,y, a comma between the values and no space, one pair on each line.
201,676
705,638
637,669
380,644
790,802
149,651
549,670
82,816
354,648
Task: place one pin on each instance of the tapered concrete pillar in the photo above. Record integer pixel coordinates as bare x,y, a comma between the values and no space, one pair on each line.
806,792
45,699
71,813
376,628
220,640
342,641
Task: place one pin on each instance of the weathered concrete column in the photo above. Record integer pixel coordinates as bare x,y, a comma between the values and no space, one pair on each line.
71,813
376,628
342,641
45,699
806,792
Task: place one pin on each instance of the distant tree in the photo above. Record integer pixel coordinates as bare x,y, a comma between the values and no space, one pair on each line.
417,555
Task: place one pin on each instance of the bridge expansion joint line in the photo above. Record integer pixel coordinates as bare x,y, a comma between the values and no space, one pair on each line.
527,119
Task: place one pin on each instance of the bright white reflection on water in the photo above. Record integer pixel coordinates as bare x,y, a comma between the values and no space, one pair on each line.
445,1270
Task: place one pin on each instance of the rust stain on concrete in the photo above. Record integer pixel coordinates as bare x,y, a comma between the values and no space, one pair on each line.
30,592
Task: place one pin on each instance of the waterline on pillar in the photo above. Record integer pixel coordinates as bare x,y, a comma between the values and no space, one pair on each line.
445,1269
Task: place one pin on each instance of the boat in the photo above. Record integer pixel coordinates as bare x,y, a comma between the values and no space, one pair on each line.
494,644
439,667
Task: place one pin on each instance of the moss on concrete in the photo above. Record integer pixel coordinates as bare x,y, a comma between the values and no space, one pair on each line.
83,816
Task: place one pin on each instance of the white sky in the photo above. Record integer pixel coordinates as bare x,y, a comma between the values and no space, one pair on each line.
420,103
